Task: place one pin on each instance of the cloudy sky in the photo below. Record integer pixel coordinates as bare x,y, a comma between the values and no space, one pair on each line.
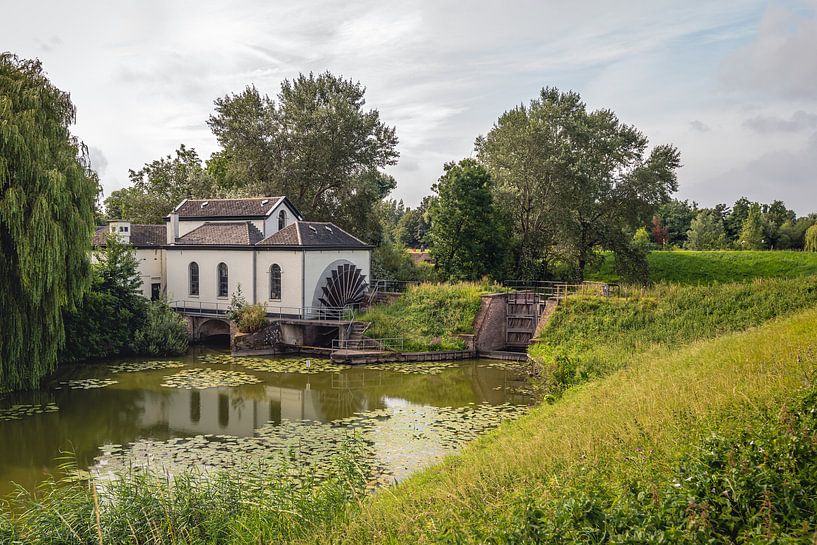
732,84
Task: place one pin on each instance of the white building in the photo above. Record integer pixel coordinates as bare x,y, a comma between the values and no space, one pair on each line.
208,248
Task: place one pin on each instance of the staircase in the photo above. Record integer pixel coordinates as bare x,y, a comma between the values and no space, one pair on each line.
357,329
356,339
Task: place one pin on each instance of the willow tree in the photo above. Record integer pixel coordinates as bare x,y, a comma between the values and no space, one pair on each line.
47,196
811,239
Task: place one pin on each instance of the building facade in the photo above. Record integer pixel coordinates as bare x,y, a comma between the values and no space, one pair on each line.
209,249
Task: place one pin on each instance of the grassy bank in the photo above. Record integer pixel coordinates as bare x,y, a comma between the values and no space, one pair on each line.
592,336
686,267
641,425
429,316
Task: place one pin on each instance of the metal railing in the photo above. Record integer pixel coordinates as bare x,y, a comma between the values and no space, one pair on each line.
550,288
382,345
206,308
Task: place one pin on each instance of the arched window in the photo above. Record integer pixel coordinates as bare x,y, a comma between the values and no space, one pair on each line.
275,282
223,286
282,219
194,278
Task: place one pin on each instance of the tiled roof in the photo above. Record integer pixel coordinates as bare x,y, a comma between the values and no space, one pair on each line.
141,236
227,233
313,233
227,208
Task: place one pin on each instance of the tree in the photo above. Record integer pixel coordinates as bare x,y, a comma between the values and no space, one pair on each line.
160,185
316,143
677,216
583,178
706,232
751,234
733,222
811,239
466,238
660,234
46,220
413,225
104,322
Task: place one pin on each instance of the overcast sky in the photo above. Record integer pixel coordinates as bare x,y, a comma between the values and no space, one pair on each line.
732,84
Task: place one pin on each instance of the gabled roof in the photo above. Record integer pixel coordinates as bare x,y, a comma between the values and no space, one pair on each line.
141,236
241,233
251,208
313,234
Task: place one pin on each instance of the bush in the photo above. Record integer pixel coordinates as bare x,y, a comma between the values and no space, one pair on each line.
252,318
164,332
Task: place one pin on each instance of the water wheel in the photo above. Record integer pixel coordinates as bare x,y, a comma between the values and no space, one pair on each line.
345,286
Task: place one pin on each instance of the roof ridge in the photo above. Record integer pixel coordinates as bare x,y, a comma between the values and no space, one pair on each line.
237,198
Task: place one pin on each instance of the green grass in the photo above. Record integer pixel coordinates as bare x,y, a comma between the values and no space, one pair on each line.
429,316
637,425
686,267
590,337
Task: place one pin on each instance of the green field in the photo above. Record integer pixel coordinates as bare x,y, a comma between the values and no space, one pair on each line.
686,267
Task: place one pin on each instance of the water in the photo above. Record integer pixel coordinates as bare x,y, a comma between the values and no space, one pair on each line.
109,416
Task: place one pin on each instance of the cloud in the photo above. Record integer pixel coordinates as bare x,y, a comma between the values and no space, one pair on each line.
99,162
780,62
699,126
799,121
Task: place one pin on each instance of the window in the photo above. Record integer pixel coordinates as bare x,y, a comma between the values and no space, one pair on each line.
282,219
123,229
275,282
194,278
223,287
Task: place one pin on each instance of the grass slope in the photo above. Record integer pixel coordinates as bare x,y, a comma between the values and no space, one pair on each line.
686,267
664,402
429,316
592,336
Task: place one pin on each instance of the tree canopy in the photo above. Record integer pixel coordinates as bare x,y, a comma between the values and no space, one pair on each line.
573,180
46,219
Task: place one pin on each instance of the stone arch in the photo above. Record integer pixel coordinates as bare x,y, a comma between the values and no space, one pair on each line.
213,329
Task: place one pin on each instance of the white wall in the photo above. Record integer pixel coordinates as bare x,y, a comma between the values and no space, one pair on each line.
271,223
151,268
318,260
291,263
239,269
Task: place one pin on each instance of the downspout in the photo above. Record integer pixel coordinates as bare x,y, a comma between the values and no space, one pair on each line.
303,282
253,276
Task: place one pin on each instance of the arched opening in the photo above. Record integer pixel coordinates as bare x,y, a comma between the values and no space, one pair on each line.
223,280
194,278
275,282
214,332
282,219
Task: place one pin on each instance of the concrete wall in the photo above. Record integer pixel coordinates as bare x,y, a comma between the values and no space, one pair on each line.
490,323
318,261
151,263
271,223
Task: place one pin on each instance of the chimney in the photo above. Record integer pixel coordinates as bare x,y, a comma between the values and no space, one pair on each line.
121,229
172,228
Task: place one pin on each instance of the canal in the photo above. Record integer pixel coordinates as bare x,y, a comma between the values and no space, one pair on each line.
211,411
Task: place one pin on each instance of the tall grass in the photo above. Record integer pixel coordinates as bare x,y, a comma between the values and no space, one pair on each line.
641,420
688,267
429,316
592,336
241,507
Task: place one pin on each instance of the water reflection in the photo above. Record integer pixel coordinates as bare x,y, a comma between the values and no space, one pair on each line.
137,407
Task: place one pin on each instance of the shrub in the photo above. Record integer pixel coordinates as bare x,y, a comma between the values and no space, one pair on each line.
164,332
252,318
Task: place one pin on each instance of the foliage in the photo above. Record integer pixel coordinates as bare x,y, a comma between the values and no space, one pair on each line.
164,332
677,216
638,423
237,305
687,267
573,180
659,233
706,232
392,262
104,322
667,315
316,144
252,318
466,236
47,201
429,316
751,234
413,226
159,186
242,507
811,239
